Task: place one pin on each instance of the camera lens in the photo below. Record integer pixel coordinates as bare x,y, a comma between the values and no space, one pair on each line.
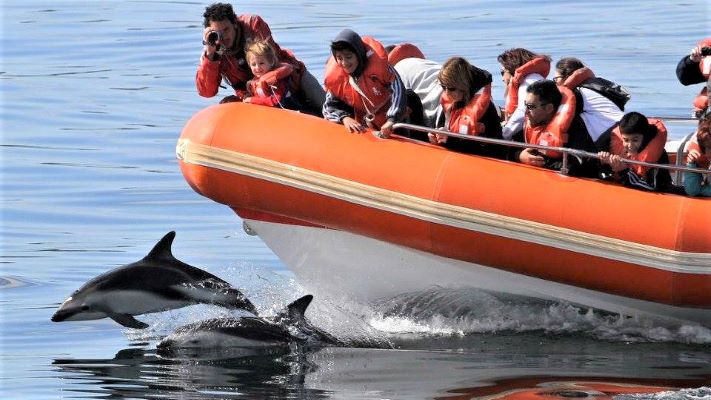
706,51
213,37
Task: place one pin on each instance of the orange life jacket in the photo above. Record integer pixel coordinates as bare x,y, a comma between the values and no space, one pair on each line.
701,102
539,65
703,161
651,152
555,133
465,120
578,77
374,83
261,86
403,51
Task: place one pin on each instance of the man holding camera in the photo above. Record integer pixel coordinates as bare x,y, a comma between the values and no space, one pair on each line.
694,68
223,56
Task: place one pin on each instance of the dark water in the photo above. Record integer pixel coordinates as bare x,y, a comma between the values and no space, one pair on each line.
94,95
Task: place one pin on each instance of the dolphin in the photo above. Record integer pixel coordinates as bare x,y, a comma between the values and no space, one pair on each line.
288,327
158,282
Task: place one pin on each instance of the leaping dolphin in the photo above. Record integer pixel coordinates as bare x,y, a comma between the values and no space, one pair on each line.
289,326
158,282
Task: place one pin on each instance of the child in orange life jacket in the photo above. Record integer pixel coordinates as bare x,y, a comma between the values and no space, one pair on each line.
362,89
635,138
699,154
468,109
271,85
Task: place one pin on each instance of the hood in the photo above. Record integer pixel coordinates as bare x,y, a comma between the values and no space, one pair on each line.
355,42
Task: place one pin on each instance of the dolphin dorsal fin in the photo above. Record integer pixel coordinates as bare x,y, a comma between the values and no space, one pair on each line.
162,249
297,309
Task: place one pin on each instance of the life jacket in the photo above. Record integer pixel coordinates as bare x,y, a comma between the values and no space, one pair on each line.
703,161
263,85
585,78
650,153
538,65
701,102
465,120
371,98
555,133
403,51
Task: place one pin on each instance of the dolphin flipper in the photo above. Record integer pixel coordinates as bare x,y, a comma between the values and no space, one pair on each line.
127,321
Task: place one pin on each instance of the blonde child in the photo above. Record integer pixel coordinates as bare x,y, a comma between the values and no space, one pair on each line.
272,82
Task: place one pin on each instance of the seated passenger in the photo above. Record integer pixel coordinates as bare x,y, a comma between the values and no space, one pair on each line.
273,83
420,76
600,102
636,138
694,68
519,68
551,121
466,100
362,89
699,154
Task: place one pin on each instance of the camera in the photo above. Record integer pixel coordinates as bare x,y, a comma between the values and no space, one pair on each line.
706,51
213,37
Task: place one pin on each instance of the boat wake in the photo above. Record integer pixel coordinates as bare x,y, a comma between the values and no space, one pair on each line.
445,311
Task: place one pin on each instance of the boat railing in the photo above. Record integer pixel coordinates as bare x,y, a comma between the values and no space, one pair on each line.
567,152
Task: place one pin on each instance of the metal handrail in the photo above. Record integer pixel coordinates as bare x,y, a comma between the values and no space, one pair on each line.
566,151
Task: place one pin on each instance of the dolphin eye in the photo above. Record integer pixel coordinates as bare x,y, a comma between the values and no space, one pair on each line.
84,308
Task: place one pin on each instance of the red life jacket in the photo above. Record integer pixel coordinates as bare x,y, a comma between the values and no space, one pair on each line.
538,65
374,83
555,133
703,161
701,102
651,152
578,77
465,120
261,87
403,51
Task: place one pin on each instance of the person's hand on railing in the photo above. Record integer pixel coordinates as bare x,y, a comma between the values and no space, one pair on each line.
352,125
614,161
436,138
693,156
531,157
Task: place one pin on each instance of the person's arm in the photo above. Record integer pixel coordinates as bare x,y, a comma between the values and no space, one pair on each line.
688,71
398,102
273,95
208,76
335,109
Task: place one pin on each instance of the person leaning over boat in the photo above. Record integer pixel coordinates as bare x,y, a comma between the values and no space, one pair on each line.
468,109
640,139
272,83
223,57
698,156
420,76
519,68
600,102
362,89
550,120
695,68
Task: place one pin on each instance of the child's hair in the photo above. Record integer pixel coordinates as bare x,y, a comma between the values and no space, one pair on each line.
703,132
259,47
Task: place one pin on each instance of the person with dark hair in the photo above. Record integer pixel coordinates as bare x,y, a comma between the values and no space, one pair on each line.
362,89
466,101
640,139
519,68
600,102
223,57
695,68
550,120
698,156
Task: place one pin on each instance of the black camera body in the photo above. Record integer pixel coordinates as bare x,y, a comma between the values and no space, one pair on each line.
213,37
706,51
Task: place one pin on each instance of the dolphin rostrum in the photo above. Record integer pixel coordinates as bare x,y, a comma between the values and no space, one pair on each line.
289,326
158,282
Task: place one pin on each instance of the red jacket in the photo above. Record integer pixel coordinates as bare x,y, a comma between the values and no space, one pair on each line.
233,65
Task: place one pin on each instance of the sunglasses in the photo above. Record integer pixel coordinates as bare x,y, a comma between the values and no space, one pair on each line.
449,88
531,107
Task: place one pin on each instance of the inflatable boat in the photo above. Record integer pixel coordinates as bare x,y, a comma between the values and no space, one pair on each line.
371,218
